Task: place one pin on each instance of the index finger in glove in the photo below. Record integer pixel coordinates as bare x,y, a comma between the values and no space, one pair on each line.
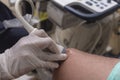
48,43
40,33
55,57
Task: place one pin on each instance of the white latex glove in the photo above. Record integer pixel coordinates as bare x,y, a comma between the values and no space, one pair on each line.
29,53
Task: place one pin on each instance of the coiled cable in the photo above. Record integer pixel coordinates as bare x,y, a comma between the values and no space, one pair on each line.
27,26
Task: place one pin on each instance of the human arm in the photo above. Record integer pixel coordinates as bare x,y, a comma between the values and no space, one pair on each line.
29,53
84,66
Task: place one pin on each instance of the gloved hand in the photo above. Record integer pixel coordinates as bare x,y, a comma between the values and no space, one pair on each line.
29,53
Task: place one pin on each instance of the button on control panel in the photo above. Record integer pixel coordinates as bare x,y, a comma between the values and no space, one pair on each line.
97,5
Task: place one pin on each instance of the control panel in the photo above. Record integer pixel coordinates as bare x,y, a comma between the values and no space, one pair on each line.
93,5
96,9
97,5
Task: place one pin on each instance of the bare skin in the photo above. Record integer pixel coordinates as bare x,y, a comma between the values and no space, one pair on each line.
84,66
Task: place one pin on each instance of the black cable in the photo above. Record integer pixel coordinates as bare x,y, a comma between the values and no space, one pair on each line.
26,8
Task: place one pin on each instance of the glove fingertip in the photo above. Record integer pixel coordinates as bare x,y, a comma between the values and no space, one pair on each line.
56,65
52,65
63,56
